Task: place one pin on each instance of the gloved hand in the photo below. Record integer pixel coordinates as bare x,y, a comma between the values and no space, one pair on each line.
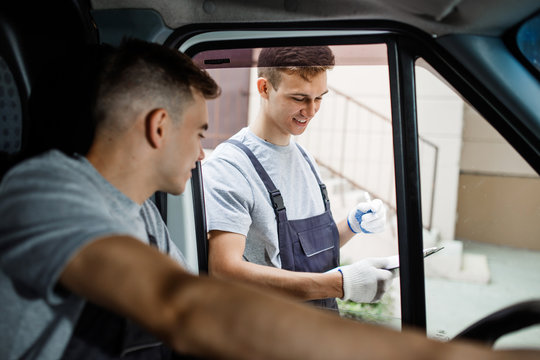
366,280
368,217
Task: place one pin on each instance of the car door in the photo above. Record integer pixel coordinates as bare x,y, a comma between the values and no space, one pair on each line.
407,120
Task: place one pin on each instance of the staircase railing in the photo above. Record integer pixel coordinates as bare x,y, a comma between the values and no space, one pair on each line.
353,142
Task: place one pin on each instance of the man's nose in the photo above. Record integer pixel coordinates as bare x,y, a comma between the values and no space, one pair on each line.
310,109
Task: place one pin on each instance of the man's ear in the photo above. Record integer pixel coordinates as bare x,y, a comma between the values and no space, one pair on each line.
155,123
263,86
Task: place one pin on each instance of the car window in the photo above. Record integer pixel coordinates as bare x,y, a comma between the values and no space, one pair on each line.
350,139
528,41
183,232
481,201
352,162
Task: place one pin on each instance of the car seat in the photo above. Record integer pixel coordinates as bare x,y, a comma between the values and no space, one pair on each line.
33,36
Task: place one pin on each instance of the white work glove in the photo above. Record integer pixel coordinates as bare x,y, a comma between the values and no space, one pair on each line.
368,217
366,280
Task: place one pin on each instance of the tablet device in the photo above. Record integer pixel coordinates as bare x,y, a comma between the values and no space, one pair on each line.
394,260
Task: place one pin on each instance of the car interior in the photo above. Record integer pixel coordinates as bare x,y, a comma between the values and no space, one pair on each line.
433,107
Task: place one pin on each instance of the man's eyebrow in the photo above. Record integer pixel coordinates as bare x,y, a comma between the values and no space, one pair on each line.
307,95
324,93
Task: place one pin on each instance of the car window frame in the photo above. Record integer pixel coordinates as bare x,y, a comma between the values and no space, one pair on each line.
405,45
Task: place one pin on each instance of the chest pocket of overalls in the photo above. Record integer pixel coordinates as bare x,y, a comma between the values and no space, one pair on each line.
315,249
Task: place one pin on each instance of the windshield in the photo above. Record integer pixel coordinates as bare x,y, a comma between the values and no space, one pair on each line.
528,40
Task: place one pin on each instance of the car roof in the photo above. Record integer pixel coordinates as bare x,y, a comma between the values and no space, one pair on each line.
435,17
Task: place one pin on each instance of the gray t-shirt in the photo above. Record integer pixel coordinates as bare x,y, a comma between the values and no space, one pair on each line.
237,200
51,206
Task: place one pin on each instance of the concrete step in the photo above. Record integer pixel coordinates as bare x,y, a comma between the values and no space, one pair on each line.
452,263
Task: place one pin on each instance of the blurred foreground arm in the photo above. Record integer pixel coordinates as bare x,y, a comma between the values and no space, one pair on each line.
218,319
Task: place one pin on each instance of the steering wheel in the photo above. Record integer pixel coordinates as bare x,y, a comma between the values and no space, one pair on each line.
502,322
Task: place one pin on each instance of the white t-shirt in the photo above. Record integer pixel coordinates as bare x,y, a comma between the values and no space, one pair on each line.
237,200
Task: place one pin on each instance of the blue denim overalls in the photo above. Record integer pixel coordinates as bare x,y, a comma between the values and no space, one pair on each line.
103,335
311,244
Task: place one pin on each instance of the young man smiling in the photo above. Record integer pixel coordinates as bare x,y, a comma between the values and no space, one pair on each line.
268,212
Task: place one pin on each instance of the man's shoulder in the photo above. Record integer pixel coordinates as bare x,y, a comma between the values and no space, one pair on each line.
52,172
52,162
227,165
226,153
229,151
300,150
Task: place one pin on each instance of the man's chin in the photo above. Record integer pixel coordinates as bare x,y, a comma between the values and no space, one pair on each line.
178,186
179,190
298,132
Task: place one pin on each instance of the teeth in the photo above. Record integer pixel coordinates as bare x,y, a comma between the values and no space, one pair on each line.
301,121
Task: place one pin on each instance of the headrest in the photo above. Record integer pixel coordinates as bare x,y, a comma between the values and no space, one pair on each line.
32,35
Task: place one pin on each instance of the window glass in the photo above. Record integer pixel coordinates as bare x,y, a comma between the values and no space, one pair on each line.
350,139
480,200
528,40
183,232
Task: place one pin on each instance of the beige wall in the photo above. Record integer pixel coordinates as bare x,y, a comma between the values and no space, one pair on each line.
440,121
485,151
503,210
499,193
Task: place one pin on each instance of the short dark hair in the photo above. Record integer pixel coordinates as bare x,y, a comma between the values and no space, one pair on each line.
139,73
306,61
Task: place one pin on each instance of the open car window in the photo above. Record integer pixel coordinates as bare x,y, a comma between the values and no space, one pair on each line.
393,128
481,202
350,138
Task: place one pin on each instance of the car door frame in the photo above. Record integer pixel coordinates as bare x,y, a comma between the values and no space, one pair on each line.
405,45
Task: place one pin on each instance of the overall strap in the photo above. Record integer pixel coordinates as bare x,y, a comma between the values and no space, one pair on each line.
324,192
275,194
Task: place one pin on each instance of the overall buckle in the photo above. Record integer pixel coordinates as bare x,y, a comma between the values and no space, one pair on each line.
277,200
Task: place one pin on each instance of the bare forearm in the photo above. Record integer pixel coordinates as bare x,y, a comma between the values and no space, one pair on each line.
262,326
124,275
345,233
219,319
225,260
236,322
301,285
195,315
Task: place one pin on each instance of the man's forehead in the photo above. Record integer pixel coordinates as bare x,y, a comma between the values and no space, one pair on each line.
295,84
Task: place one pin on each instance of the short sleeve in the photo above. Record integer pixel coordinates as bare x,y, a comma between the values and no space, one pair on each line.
47,216
228,197
157,228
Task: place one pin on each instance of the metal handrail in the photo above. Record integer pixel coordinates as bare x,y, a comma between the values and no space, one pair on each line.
350,101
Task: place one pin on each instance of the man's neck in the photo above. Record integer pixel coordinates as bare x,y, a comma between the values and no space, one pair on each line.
263,129
121,172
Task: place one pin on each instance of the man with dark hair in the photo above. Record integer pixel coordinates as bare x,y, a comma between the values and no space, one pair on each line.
76,227
283,234
305,62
